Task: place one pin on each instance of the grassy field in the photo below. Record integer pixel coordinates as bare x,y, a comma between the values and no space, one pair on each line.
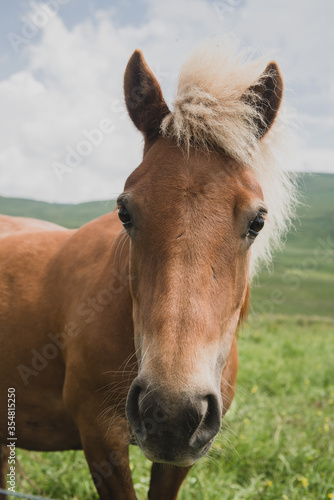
277,440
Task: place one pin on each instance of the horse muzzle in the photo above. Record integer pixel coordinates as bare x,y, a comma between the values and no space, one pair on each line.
176,430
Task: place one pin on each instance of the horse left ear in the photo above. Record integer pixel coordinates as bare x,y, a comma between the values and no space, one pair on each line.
143,97
266,97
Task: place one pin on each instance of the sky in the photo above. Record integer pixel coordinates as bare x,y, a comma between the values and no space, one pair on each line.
65,136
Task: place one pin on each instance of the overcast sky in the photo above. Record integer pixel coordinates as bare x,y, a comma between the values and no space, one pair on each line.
62,64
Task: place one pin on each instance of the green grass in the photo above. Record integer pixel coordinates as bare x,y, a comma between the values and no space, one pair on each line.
277,439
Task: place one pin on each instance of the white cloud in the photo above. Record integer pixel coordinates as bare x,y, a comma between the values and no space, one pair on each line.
319,160
70,86
73,81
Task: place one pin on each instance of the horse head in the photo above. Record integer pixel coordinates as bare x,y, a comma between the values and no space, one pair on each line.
192,210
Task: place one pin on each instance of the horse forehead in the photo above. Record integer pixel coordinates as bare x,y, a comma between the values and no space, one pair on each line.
168,169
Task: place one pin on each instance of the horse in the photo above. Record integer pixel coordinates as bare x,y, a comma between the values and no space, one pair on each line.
125,330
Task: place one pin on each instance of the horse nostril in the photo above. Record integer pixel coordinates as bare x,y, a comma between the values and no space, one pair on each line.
132,406
210,424
213,413
160,415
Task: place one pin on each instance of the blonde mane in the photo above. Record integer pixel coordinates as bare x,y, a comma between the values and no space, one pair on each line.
213,108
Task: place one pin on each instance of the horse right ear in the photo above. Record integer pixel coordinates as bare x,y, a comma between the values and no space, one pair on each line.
266,98
143,97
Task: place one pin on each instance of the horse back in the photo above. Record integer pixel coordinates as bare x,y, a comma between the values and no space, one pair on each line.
26,251
10,224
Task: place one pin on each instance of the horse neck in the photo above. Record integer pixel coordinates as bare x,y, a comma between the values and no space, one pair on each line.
90,269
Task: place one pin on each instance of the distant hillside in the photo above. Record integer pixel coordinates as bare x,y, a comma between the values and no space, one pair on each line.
301,280
70,216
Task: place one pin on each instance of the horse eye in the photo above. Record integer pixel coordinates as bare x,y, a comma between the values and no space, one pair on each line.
256,225
124,216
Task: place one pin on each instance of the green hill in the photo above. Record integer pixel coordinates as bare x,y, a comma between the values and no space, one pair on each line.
301,280
70,216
